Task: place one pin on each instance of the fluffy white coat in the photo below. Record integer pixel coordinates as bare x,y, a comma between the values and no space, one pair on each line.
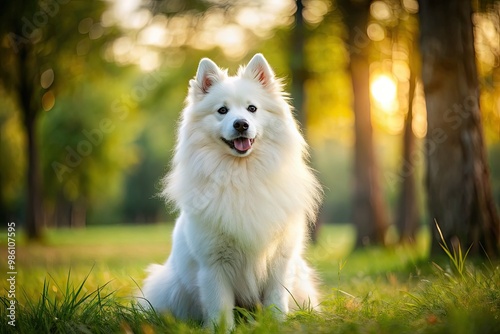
244,214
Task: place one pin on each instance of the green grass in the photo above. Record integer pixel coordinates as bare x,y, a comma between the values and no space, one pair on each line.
82,281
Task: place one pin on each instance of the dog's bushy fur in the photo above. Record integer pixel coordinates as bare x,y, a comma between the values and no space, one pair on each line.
245,196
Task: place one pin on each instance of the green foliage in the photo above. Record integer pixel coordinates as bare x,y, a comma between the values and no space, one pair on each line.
78,43
75,310
456,255
373,291
69,310
453,302
88,144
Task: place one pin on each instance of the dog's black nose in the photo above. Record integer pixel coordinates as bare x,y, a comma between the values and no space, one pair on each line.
240,125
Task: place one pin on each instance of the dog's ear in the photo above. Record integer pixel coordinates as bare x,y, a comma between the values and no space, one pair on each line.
259,69
207,75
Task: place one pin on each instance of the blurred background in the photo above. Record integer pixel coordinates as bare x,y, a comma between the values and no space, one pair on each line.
91,91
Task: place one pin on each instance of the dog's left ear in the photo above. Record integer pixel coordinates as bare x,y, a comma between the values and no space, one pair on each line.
259,69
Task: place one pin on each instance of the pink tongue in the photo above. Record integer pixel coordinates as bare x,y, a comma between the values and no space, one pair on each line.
242,144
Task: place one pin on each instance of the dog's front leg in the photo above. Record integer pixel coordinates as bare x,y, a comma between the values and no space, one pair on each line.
217,297
275,294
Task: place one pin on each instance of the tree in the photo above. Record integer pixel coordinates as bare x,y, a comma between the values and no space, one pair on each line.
299,76
369,215
18,74
458,182
298,65
43,47
406,214
406,219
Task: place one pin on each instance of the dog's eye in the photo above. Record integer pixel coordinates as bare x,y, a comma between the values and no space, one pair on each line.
222,110
252,108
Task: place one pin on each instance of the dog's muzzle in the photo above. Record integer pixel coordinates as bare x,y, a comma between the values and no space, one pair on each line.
241,144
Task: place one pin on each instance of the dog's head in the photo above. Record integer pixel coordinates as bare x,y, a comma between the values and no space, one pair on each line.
237,111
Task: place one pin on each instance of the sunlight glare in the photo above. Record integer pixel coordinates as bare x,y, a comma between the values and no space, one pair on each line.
150,61
419,124
231,38
155,34
383,89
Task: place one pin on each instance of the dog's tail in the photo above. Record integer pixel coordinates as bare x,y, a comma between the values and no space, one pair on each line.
145,293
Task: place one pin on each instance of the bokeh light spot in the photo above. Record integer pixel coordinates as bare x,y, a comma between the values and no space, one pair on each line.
47,78
48,100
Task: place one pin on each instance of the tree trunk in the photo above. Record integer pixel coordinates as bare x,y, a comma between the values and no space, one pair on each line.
407,215
368,209
79,214
458,182
34,205
299,77
34,216
297,66
62,215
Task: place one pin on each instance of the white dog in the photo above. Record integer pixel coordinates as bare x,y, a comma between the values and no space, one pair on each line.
245,195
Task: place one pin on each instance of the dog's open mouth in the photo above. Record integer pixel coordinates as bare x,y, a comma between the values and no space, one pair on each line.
240,144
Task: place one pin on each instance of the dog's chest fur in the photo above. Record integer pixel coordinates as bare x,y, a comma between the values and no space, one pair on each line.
246,268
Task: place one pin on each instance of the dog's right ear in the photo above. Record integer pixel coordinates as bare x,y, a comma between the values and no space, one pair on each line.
207,75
